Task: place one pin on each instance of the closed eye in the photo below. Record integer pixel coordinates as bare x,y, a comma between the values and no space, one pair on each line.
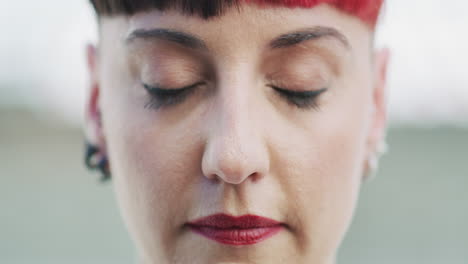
163,97
303,100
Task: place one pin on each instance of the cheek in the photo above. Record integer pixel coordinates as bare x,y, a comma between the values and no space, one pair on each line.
150,160
330,149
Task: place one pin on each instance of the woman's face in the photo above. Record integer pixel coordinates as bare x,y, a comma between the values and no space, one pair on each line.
279,112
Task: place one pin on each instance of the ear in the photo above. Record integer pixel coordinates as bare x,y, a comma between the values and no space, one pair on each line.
379,115
93,125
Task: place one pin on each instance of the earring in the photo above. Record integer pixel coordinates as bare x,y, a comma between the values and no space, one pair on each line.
373,161
96,161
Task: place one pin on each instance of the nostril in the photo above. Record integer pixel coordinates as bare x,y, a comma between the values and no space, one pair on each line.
254,177
214,178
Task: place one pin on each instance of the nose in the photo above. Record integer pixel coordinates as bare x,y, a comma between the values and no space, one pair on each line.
235,149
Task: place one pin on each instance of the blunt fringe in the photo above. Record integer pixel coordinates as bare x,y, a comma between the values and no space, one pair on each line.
203,8
367,10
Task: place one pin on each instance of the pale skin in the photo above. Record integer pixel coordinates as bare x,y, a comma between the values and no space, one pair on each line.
234,145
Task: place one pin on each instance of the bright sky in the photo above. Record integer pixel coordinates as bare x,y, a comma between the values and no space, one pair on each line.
42,58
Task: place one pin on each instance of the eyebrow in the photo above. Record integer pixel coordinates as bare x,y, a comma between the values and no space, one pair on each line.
283,41
297,37
182,38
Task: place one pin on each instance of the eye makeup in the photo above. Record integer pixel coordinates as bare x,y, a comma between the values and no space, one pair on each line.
303,100
163,97
297,81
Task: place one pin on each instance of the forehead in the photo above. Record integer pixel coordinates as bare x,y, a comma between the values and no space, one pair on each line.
240,35
250,23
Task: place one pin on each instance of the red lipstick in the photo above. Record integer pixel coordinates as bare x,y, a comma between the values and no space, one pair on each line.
242,230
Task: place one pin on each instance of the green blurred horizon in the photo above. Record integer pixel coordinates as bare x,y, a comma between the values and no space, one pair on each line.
54,211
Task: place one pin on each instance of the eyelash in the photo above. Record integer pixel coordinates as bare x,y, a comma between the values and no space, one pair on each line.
302,100
161,97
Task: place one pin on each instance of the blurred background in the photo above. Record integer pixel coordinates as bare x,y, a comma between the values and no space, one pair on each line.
53,211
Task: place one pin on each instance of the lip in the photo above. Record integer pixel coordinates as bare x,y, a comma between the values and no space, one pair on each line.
231,230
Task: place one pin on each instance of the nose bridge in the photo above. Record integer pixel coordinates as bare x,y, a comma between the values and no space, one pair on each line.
235,149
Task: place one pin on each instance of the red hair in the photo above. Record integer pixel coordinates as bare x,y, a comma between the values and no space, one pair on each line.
366,10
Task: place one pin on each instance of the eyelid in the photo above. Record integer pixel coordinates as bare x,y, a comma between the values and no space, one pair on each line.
288,92
157,89
165,97
303,100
